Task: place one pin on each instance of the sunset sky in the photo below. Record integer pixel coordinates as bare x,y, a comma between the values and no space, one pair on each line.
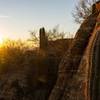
18,17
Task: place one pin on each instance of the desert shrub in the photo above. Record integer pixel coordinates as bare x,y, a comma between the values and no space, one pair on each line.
23,68
12,54
52,34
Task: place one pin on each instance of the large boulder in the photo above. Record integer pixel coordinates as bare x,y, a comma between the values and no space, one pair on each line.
73,76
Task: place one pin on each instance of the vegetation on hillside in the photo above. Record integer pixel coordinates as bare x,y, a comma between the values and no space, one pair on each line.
28,70
82,10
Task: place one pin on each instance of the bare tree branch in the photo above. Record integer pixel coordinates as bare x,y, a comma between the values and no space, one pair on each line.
82,10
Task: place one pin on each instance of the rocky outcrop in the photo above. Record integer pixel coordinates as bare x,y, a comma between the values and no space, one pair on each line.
94,66
73,81
81,86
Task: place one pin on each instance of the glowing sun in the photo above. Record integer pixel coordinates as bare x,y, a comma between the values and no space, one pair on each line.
1,38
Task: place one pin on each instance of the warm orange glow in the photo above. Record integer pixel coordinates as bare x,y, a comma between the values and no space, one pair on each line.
1,39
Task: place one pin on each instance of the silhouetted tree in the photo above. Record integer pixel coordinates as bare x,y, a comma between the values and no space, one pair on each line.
83,9
52,34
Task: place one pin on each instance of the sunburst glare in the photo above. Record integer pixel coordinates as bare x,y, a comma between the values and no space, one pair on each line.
1,38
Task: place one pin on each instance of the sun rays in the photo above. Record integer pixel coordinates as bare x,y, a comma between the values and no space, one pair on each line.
1,38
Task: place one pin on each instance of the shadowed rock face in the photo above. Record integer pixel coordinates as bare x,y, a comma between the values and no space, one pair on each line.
95,70
95,64
96,7
73,80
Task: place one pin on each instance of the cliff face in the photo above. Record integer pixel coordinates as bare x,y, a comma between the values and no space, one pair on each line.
74,77
83,85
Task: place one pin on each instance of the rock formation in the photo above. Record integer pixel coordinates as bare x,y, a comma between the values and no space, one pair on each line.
74,76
